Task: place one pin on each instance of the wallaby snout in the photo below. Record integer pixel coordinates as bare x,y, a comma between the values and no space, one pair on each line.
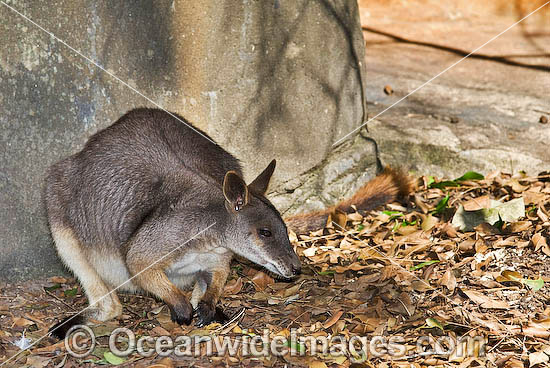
286,266
296,266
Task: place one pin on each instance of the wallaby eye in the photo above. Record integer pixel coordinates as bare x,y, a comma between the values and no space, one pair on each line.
266,233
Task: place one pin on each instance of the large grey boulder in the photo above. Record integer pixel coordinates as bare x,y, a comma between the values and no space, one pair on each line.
266,79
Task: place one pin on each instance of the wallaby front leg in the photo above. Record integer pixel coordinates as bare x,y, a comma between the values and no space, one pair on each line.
206,308
155,281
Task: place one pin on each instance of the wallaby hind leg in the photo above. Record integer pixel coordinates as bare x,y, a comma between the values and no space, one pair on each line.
103,306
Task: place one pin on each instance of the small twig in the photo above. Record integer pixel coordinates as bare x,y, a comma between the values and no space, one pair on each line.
503,288
133,312
59,300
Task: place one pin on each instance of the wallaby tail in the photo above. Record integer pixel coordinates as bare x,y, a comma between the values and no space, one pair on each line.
387,187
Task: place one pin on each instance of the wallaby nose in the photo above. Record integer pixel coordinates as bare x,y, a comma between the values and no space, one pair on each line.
296,269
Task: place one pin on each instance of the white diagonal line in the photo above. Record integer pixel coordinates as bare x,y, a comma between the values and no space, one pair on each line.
105,70
112,291
440,73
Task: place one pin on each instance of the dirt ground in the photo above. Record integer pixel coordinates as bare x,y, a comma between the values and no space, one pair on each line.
449,298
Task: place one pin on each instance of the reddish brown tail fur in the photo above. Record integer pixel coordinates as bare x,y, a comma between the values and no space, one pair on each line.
387,187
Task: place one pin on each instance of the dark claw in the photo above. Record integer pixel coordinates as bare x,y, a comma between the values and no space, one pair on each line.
181,313
207,313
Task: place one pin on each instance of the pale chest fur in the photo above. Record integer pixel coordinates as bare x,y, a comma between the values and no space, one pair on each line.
195,260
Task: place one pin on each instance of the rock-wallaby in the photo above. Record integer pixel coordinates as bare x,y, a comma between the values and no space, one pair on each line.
150,205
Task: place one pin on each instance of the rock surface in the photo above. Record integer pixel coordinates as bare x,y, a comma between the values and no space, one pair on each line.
266,79
482,114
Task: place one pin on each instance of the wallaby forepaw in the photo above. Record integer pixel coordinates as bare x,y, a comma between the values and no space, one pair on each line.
207,313
182,313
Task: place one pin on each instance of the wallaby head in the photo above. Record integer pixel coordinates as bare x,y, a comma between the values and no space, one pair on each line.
256,227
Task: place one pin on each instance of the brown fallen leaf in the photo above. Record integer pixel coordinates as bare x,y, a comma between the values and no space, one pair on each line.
428,222
486,229
517,227
448,280
317,364
509,362
538,328
340,218
485,301
292,290
37,361
479,203
353,267
538,357
421,285
332,320
532,197
22,322
261,280
510,276
159,331
540,242
420,204
57,280
467,245
233,287
542,215
51,348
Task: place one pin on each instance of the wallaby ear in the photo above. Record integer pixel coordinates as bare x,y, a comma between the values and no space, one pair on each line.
259,185
235,190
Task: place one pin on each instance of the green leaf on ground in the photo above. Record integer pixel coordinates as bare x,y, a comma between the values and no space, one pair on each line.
53,287
471,175
444,184
295,346
113,359
430,181
535,285
423,264
71,292
393,214
441,205
432,322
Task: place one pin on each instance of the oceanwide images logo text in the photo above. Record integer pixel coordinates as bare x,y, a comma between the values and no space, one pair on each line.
80,342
